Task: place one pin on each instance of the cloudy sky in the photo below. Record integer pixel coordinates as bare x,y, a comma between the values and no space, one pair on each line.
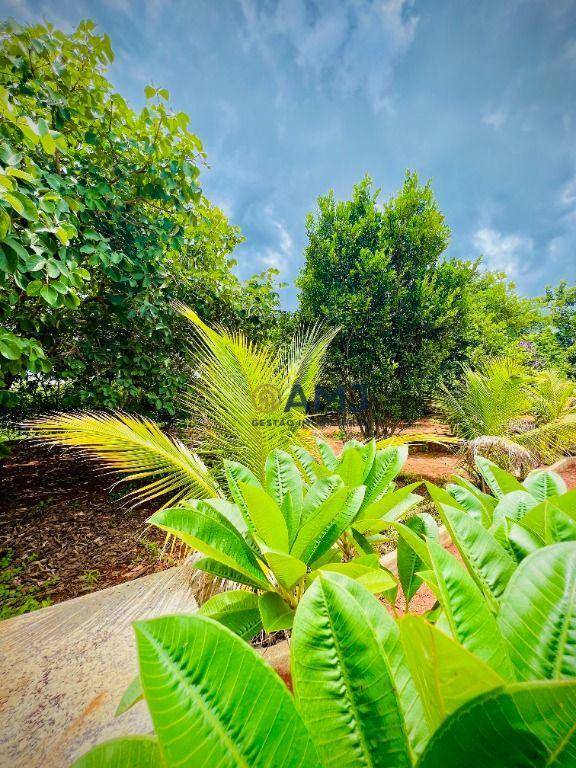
294,97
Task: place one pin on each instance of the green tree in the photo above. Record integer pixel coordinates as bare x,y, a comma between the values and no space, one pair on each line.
102,224
555,340
377,272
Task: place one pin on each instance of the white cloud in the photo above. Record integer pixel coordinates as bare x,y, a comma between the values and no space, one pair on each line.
351,46
279,255
495,118
503,253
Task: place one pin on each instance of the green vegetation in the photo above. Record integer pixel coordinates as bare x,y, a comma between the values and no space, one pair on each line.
102,225
16,599
475,689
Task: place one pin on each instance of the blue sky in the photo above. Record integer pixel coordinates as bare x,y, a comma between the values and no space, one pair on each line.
294,97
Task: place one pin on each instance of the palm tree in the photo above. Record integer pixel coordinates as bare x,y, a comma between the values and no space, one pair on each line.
517,417
236,399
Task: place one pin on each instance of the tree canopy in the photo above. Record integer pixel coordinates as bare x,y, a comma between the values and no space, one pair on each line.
103,224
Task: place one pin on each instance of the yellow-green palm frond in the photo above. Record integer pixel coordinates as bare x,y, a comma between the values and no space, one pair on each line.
136,448
240,396
417,438
548,442
487,399
552,396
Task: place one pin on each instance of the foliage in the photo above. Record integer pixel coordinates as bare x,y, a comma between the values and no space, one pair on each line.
234,416
520,417
278,536
521,517
376,272
103,224
16,599
555,341
368,690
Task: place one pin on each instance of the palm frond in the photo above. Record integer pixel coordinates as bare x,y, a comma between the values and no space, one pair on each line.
136,448
552,396
240,396
548,442
417,438
502,450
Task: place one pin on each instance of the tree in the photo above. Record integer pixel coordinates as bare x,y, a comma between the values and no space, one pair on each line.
102,224
555,340
376,272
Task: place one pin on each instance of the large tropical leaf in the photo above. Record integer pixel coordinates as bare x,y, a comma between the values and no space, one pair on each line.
243,389
135,447
445,673
538,614
125,752
469,617
387,464
543,484
214,701
204,528
350,679
237,609
525,725
409,562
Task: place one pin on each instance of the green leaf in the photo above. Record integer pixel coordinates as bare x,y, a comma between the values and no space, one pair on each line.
498,480
350,678
149,91
284,480
351,464
11,347
131,696
318,492
409,563
538,614
389,508
525,725
5,223
216,568
125,752
287,569
471,503
22,205
543,484
387,464
549,523
489,562
235,474
274,612
446,674
49,294
204,528
471,621
328,456
236,609
323,527
205,716
375,579
514,505
265,517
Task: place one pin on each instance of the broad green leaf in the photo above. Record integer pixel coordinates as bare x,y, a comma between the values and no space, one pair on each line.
265,516
318,492
231,512
350,678
204,528
538,614
131,696
387,464
216,568
471,503
567,503
409,563
487,501
489,563
328,456
237,609
214,701
274,612
284,480
412,539
497,479
549,523
523,542
525,725
389,508
469,617
351,465
125,752
446,674
543,484
374,578
323,527
237,473
513,505
287,569
306,462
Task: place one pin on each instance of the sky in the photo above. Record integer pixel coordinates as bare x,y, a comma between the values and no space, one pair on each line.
292,98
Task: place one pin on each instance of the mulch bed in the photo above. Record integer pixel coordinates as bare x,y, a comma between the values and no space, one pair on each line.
64,531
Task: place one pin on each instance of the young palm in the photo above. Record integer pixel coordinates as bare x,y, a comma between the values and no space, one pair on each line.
237,400
518,418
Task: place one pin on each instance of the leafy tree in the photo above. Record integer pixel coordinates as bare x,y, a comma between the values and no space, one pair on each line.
555,340
376,272
102,224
